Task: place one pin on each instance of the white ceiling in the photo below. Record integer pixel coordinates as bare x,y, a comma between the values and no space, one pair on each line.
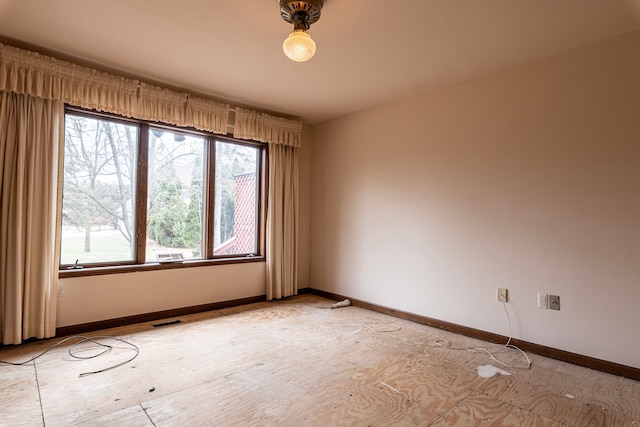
370,52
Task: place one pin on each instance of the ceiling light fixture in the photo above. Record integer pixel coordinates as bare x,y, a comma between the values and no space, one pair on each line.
299,46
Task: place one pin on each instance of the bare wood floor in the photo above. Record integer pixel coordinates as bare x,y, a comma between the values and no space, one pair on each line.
298,363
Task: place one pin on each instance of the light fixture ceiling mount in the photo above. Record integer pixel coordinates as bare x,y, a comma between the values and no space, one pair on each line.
299,46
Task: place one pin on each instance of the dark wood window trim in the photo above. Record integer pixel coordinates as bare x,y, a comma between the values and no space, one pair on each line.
209,259
133,268
141,194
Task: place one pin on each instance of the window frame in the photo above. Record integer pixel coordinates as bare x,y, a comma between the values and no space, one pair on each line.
139,262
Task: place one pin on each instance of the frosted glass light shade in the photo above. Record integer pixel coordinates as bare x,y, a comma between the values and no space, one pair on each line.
299,46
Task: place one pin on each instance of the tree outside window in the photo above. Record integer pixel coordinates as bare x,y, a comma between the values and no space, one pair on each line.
102,181
98,211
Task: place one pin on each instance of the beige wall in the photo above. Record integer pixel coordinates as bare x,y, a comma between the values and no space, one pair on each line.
527,179
95,298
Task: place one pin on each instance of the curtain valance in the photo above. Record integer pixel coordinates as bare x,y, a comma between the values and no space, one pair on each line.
206,114
34,74
161,105
267,128
31,73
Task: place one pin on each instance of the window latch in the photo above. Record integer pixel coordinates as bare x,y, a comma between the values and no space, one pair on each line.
75,266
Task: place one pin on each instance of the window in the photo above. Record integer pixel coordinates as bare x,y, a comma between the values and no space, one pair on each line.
236,196
136,193
98,210
175,195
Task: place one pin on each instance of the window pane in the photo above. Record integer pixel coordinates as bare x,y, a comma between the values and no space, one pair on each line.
175,196
98,213
235,199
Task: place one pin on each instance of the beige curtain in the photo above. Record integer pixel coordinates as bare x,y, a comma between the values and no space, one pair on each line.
30,135
282,222
283,136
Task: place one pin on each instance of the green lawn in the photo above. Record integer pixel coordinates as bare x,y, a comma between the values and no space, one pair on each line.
106,246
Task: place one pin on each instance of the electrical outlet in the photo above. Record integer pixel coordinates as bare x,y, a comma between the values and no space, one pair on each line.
503,295
543,301
554,302
60,290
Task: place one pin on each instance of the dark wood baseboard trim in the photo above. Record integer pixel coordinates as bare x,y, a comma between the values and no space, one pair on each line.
149,317
553,353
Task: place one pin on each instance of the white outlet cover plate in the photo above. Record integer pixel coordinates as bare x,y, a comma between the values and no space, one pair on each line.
543,301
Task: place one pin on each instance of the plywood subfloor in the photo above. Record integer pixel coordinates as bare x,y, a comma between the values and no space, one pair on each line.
299,363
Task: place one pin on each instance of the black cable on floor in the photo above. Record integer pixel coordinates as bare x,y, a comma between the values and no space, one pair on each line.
82,339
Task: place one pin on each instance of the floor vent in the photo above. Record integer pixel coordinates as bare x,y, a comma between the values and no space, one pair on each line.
172,322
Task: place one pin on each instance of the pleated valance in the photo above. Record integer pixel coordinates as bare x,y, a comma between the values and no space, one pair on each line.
33,74
267,128
42,76
206,114
161,105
